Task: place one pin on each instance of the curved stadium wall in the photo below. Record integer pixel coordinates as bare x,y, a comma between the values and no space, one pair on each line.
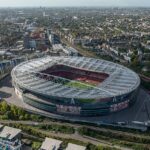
76,85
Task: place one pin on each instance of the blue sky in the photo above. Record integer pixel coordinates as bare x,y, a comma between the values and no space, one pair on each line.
13,3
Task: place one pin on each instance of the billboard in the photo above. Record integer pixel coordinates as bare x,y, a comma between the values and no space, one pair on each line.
119,106
68,109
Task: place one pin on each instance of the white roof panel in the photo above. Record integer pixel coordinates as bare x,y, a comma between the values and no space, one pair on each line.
75,147
9,132
51,144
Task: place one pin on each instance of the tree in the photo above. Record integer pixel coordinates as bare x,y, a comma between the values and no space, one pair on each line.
4,107
14,111
91,147
36,145
27,117
8,115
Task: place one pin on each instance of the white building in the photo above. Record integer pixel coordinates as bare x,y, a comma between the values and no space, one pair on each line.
51,144
10,138
75,147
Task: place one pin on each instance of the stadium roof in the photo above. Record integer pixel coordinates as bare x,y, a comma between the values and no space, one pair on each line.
121,80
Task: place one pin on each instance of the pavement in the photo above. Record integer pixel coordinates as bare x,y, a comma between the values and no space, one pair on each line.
140,111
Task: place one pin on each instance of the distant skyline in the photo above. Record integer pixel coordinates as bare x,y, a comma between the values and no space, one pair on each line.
76,3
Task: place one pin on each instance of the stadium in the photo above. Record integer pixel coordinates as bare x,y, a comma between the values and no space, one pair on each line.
77,86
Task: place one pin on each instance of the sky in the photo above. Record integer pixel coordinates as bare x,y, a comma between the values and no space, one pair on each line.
60,3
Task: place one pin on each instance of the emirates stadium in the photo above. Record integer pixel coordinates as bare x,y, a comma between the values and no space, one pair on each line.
75,85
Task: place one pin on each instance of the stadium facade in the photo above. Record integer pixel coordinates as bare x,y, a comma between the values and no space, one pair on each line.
75,85
7,66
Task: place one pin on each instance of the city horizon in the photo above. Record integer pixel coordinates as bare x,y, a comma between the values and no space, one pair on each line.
74,6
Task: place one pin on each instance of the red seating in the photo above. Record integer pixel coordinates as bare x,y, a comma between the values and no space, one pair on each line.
93,78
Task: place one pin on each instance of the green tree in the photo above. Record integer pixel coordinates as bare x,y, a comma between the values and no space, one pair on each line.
36,145
4,107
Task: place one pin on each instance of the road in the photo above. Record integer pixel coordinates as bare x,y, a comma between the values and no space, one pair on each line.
75,126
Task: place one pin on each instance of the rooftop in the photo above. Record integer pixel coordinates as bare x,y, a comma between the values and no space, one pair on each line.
51,144
75,147
9,132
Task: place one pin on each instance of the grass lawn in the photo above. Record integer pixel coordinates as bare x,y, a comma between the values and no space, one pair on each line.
79,85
